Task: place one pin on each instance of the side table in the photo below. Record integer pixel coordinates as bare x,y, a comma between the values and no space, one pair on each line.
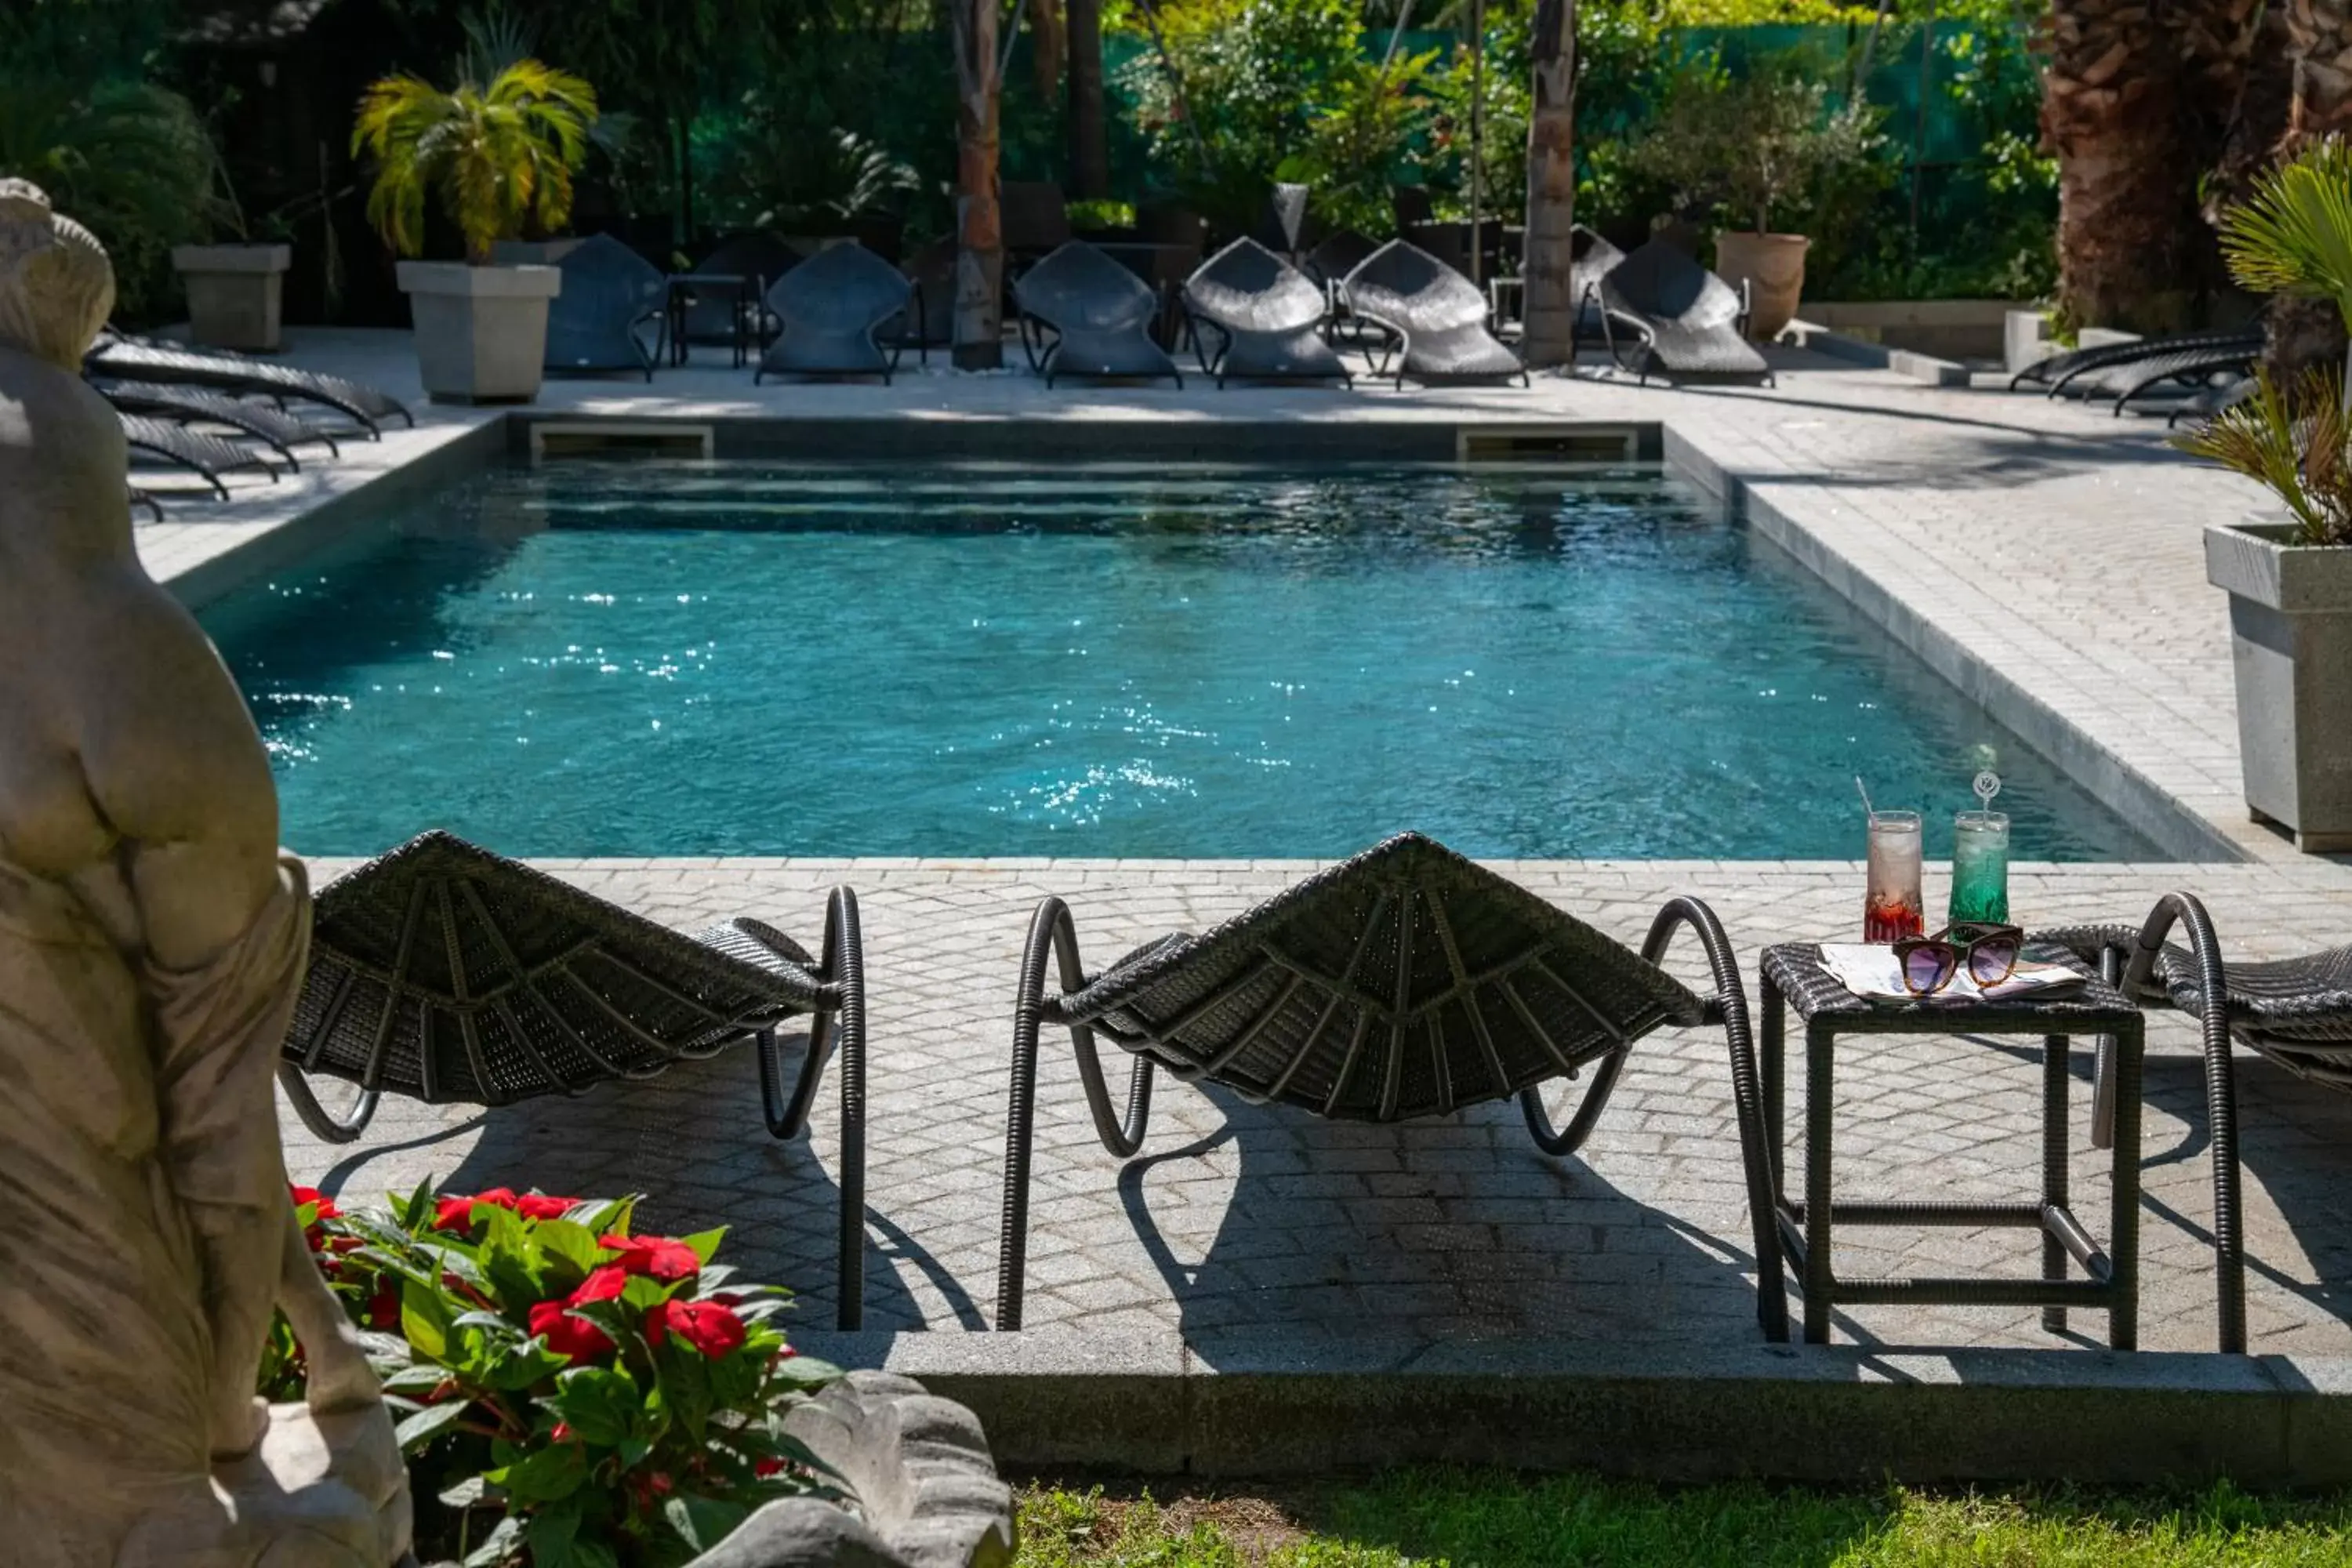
1795,975
740,290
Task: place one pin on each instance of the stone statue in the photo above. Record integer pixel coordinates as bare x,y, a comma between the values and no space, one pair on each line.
151,947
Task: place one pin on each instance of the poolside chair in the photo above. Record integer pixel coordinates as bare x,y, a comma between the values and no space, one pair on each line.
1662,314
447,973
709,316
828,310
2187,370
610,296
1083,313
1593,259
1405,982
124,357
140,499
2297,1011
1281,225
1266,315
1435,320
184,406
2059,370
208,456
2220,397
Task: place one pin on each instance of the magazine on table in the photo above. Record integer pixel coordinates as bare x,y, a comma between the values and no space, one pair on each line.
1872,972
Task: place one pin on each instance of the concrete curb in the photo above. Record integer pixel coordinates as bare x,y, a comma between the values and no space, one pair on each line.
1262,1404
1906,363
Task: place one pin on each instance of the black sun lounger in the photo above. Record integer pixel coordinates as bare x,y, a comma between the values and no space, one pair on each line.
2182,370
1266,316
598,321
828,312
279,431
207,455
1083,313
130,358
1662,314
1436,319
2058,371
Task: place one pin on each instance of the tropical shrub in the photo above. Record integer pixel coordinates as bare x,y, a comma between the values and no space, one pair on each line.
569,1394
2294,234
1751,144
2296,440
498,149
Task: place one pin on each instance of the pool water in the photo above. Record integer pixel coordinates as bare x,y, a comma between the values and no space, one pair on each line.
964,660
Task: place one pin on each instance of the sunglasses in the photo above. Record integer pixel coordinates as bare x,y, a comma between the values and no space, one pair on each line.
1932,963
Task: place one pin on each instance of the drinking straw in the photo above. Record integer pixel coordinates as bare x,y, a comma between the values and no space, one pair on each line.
1868,809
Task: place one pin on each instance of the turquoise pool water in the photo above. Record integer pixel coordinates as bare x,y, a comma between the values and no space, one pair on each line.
945,660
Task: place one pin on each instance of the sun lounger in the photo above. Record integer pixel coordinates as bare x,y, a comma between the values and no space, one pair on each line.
598,321
2183,369
2296,1012
447,973
127,358
1662,314
1405,982
2220,397
1593,259
1436,321
207,455
1085,314
140,499
1267,317
2060,369
828,310
273,427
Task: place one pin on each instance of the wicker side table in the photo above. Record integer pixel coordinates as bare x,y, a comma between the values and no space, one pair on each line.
1794,976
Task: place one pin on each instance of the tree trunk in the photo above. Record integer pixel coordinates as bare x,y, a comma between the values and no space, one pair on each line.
2305,334
1549,302
1089,146
2114,110
1045,46
980,232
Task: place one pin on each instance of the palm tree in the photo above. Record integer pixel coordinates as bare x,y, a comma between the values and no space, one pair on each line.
1549,258
979,229
500,155
2306,332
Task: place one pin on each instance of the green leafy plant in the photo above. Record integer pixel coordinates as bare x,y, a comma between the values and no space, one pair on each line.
1753,143
2297,442
499,154
572,1395
2294,234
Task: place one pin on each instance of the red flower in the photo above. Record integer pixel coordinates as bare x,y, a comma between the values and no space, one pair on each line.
657,1256
538,1205
567,1336
604,1284
712,1328
457,1214
562,1432
327,1209
763,1468
383,1309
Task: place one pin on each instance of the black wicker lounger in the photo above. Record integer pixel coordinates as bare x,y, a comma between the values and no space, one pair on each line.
130,358
1083,313
2218,398
2136,378
2297,1011
828,310
1436,320
447,973
140,499
1267,316
209,456
1404,982
610,295
2055,372
273,427
1686,324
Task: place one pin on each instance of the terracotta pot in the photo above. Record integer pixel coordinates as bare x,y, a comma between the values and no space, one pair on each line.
1773,266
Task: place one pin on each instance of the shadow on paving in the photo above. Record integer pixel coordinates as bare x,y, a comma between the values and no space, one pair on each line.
693,1142
1456,1229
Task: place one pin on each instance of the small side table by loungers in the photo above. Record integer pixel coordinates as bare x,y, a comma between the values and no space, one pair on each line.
1405,982
702,297
1794,976
447,973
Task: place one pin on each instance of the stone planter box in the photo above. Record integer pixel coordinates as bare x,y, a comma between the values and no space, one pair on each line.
236,294
2291,643
481,332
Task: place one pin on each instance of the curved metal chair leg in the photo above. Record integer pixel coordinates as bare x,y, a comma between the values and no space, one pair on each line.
323,1123
2220,1096
1052,934
1552,1140
2103,1061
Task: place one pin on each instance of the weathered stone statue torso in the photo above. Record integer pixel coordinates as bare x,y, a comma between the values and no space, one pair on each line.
150,945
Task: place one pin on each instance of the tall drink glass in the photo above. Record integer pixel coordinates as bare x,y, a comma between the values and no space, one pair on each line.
1892,908
1980,867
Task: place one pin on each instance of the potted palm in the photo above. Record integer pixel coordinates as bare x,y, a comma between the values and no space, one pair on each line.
499,150
2289,573
1754,145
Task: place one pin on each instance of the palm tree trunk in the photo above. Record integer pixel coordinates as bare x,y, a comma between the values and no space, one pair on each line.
2309,333
1550,264
980,232
2130,242
1089,146
1045,43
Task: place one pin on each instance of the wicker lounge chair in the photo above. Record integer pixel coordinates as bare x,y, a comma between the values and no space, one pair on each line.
1266,316
2220,397
1662,314
1593,259
2184,372
610,295
206,456
141,500
2059,369
1435,320
1085,314
129,358
445,972
1404,982
273,427
2297,1011
828,312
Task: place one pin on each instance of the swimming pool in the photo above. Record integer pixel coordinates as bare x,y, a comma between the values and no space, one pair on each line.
1176,660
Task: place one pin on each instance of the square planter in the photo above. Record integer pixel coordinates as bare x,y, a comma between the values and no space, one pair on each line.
236,294
2291,645
481,332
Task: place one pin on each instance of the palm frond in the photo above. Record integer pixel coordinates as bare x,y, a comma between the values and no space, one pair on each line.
2294,441
500,151
2294,236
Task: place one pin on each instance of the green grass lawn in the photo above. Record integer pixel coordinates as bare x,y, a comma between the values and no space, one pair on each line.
1485,1520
